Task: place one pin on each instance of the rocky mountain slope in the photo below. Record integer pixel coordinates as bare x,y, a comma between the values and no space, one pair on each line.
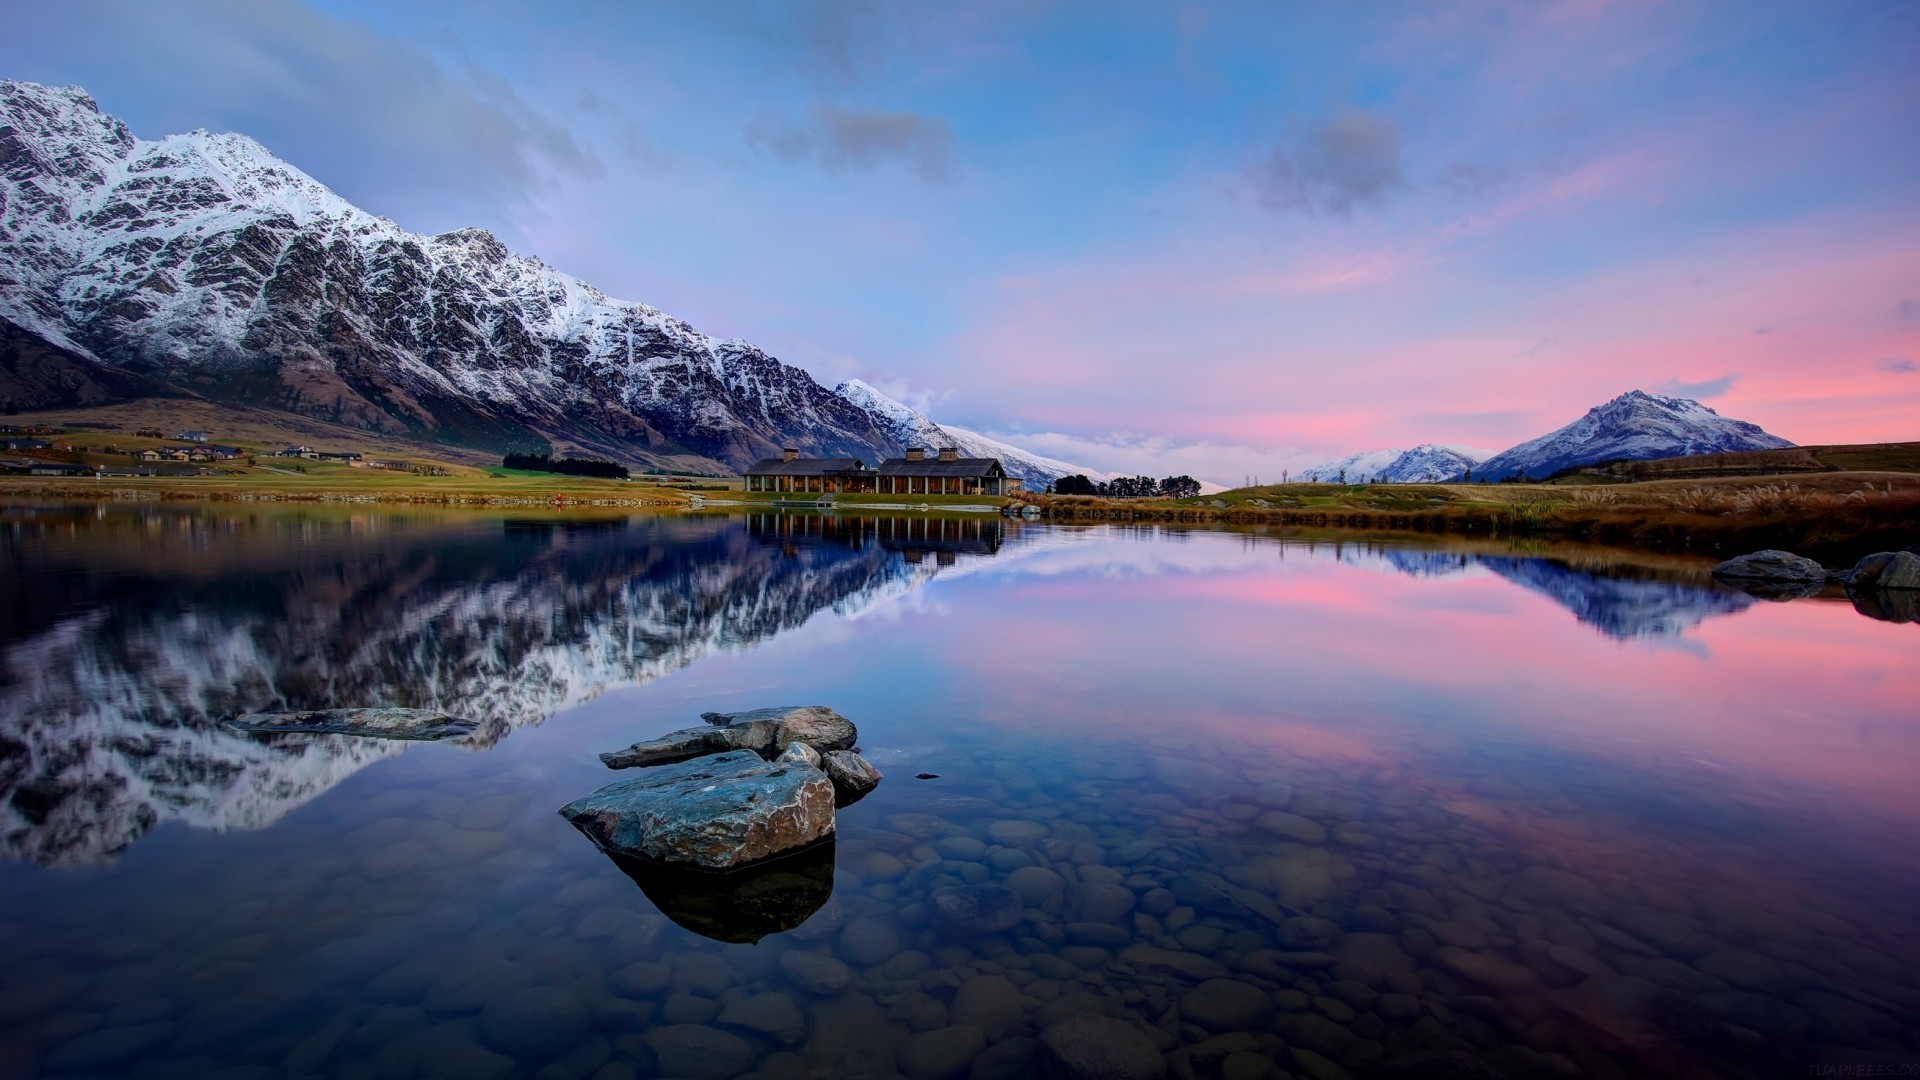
1636,426
1428,463
204,262
909,427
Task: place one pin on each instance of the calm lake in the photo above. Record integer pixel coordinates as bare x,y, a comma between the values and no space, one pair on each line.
1286,806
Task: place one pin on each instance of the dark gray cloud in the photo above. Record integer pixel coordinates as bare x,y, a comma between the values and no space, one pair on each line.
1473,180
1899,365
1351,160
1706,388
433,145
860,140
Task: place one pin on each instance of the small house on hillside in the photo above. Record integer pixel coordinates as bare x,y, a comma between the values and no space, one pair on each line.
791,472
945,474
193,436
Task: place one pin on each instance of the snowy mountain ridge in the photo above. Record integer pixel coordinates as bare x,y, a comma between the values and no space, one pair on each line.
203,260
912,428
1428,463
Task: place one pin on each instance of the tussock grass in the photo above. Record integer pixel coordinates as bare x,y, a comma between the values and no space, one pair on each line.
1835,517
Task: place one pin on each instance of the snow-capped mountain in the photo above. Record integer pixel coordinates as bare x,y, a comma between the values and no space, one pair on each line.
1428,463
1636,426
910,427
204,261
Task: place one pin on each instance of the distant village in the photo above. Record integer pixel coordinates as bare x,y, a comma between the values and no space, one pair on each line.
50,451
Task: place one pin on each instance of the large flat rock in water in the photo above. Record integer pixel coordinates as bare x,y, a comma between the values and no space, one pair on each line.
423,725
717,812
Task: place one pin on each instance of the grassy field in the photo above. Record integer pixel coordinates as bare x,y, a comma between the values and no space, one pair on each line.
1833,516
344,484
1854,457
855,501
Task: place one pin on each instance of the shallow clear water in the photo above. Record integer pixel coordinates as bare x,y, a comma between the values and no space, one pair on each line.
1281,804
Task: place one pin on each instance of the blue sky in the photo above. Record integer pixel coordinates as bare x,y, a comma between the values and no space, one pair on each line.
1221,239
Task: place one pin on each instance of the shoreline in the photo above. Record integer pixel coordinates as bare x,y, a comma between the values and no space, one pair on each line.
1837,520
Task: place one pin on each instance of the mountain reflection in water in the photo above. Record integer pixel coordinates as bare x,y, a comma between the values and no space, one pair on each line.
122,653
1454,809
130,633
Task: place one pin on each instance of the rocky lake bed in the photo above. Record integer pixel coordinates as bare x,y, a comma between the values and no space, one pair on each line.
1678,856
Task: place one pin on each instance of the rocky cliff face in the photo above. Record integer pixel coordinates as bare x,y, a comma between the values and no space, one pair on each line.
204,261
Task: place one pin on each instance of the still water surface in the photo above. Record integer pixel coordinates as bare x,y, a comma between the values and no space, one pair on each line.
1282,805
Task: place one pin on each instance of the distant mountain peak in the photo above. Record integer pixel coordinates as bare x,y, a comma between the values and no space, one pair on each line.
910,427
1428,463
1636,426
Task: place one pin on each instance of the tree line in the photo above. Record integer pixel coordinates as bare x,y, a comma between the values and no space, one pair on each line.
606,470
1127,487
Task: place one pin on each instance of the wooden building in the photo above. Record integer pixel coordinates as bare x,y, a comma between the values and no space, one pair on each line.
791,472
947,473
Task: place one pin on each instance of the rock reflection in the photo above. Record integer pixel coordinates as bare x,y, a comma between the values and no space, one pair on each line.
741,906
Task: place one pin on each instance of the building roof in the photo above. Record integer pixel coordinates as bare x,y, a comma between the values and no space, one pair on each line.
983,466
774,466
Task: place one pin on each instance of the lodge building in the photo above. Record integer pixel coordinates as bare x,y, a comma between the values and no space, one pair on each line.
947,473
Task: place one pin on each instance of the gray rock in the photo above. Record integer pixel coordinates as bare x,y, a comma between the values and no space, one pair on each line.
1227,1005
1886,570
868,942
816,725
1292,826
972,910
1307,932
699,1052
1093,1047
989,1002
852,775
771,1014
1008,1059
1486,968
1771,568
1088,902
816,973
800,754
941,1054
717,812
418,725
1035,884
689,743
644,979
535,1022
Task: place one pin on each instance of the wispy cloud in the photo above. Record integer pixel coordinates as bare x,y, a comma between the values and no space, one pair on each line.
1899,365
1705,388
860,140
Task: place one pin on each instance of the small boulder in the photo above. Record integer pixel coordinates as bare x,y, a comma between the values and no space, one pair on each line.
816,725
800,754
1093,1047
852,775
1886,570
687,744
1771,568
717,812
973,910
